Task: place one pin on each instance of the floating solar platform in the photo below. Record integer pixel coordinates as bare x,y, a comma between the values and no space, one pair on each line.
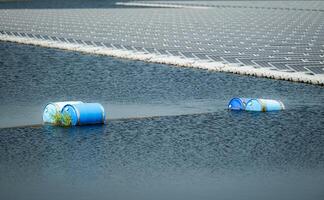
281,40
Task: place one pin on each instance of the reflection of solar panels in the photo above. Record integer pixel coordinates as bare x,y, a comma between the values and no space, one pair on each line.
281,36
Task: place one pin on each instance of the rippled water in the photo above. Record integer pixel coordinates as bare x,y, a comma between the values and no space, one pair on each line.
168,133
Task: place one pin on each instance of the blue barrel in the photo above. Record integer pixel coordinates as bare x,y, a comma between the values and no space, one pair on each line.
238,103
55,107
264,105
85,113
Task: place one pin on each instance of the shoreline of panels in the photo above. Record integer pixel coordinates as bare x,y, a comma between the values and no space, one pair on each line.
93,48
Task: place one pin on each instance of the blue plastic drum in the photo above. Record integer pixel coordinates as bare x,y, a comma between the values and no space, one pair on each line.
52,108
238,103
85,113
264,105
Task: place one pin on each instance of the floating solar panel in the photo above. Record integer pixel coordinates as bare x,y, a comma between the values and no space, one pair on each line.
139,49
317,69
97,43
107,45
202,56
175,53
116,46
215,58
79,41
30,35
188,55
150,50
260,35
70,40
88,42
231,59
162,51
54,38
129,48
280,66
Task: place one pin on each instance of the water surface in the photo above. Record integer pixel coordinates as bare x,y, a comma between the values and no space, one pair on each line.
168,133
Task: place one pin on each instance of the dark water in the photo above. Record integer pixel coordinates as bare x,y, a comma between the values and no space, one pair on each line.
192,149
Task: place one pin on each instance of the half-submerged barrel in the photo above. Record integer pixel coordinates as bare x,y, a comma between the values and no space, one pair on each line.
238,103
264,105
53,108
85,113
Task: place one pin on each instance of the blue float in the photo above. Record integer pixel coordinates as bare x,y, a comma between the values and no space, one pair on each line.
55,107
264,105
85,113
238,103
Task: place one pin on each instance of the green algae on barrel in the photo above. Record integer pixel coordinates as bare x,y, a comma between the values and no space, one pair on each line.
85,113
52,110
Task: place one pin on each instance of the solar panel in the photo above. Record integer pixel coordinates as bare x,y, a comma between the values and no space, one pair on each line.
316,69
79,41
108,45
97,43
215,58
88,42
117,46
30,35
70,40
174,53
231,59
150,50
281,66
129,48
202,56
188,54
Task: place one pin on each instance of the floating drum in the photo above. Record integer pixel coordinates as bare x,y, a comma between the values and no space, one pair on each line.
52,108
238,103
85,113
264,105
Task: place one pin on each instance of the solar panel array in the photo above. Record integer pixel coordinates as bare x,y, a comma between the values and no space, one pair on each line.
283,37
283,5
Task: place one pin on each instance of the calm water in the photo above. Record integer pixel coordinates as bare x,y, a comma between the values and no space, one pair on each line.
168,136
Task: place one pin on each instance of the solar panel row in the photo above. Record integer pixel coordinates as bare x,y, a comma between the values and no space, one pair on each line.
289,40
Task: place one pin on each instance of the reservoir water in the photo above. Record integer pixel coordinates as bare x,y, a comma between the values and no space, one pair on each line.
168,133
